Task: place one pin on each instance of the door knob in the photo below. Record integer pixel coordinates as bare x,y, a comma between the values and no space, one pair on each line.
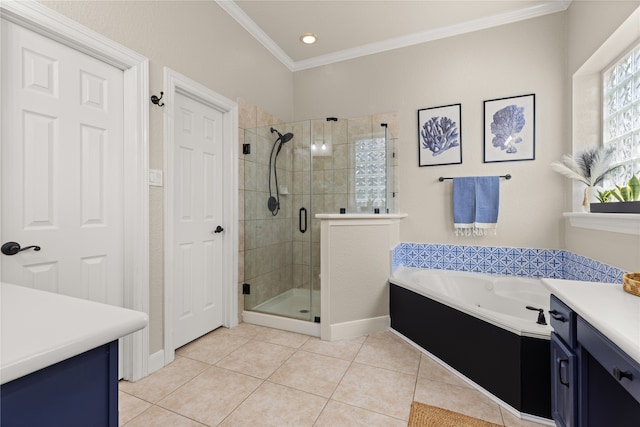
218,229
12,248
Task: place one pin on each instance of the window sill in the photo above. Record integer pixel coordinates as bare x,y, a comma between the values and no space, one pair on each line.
616,223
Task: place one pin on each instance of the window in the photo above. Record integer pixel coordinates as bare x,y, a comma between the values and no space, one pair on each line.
371,174
621,116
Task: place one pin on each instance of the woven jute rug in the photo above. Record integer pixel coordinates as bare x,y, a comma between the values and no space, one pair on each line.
423,415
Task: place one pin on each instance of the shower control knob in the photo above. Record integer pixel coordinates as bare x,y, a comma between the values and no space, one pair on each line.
218,229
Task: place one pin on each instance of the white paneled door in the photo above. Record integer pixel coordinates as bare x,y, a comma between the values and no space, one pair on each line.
62,168
198,219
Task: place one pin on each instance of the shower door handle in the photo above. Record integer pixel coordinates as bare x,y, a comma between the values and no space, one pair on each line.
300,216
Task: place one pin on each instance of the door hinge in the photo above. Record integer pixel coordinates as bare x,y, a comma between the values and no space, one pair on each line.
246,289
246,148
316,319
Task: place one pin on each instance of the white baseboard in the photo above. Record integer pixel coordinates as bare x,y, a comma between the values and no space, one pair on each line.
156,361
357,328
284,323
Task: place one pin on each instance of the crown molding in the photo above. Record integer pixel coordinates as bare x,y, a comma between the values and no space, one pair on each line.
248,24
549,7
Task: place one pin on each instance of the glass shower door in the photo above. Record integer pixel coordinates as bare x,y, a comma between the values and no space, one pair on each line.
277,221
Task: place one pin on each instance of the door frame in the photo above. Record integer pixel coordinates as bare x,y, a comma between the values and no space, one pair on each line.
178,83
135,67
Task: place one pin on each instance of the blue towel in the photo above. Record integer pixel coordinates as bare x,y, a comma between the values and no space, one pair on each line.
476,201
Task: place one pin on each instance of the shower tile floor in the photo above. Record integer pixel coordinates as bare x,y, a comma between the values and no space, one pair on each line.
292,303
256,376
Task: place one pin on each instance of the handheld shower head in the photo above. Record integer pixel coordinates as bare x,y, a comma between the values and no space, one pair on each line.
283,138
273,203
286,137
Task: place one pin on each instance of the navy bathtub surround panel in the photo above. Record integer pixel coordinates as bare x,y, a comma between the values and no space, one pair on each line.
524,262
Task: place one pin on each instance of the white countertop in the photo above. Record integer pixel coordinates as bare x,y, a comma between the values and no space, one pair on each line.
41,328
607,307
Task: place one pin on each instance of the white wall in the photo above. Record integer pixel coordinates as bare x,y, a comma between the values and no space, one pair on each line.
516,59
355,272
197,39
590,24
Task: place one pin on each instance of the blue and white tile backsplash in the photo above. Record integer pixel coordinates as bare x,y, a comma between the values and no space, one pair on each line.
547,263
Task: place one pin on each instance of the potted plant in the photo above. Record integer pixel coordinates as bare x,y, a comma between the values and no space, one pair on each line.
588,166
622,199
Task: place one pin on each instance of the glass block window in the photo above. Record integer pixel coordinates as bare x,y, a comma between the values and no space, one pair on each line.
370,174
621,115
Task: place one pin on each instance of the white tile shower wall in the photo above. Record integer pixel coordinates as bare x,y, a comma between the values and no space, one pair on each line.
525,262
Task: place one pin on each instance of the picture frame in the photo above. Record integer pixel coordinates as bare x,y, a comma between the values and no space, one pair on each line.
440,135
510,129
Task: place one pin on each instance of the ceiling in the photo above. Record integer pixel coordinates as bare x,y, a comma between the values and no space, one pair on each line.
349,29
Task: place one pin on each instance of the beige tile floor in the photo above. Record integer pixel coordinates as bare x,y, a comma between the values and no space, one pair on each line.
256,376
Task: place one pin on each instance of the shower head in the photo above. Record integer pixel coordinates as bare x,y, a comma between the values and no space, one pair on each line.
286,137
283,138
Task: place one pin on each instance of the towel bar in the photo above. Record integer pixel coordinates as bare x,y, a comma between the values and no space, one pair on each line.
507,176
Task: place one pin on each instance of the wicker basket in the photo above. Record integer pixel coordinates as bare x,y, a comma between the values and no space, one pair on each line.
631,283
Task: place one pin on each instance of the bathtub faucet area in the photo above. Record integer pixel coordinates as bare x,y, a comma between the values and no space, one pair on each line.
541,318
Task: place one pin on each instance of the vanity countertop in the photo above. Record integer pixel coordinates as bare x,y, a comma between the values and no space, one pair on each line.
41,328
607,307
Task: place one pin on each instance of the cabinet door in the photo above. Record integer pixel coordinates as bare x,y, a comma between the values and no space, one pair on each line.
563,383
77,392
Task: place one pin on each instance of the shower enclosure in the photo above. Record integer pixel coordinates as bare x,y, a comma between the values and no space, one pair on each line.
292,172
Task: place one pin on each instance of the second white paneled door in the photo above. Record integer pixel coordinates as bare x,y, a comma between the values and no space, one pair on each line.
198,219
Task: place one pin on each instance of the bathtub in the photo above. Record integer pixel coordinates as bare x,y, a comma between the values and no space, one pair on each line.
478,325
499,300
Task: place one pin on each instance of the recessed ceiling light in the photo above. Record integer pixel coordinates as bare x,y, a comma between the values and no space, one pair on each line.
308,38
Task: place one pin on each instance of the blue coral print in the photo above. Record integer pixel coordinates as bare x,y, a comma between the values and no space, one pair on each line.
507,123
439,134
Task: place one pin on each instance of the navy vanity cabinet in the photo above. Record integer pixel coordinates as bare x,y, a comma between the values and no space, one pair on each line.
563,321
78,392
610,381
564,390
564,365
593,382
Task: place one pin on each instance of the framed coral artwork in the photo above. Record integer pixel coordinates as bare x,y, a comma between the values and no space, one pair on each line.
510,129
440,135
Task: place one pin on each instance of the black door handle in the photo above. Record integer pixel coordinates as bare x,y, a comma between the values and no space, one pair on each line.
300,216
218,229
619,375
563,366
12,248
